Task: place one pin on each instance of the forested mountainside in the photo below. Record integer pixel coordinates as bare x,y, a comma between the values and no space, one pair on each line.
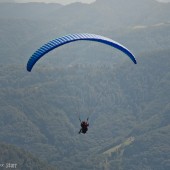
128,105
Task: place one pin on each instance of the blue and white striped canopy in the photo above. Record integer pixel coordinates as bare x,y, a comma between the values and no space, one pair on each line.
75,37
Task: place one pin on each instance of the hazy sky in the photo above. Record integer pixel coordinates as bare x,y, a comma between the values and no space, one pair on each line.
163,0
62,1
57,1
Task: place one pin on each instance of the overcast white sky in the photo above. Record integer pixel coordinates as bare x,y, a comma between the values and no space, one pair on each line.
67,1
56,1
64,2
163,0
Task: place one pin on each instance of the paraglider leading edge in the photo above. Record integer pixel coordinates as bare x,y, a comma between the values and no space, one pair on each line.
75,37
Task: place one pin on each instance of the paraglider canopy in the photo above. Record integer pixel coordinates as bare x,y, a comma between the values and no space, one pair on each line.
75,37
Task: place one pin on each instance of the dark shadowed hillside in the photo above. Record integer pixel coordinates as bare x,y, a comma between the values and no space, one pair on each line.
15,158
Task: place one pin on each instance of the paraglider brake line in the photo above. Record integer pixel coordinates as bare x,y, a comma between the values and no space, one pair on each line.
87,119
80,119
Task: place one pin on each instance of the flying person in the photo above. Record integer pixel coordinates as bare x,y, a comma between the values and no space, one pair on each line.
84,126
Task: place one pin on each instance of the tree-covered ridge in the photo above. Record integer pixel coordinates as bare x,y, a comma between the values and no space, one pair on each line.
120,109
13,157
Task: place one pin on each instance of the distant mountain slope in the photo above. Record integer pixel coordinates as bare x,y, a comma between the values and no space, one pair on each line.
27,10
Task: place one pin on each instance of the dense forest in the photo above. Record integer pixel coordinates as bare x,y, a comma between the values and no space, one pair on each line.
16,158
128,105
